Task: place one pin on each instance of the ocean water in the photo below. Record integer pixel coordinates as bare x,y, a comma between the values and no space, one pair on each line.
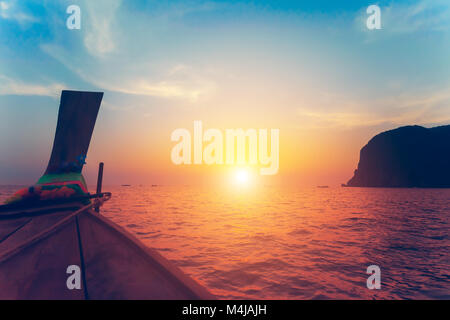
305,243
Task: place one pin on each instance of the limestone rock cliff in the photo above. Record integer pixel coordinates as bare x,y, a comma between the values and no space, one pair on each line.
406,157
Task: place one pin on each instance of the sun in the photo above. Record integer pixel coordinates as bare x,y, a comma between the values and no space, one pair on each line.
242,176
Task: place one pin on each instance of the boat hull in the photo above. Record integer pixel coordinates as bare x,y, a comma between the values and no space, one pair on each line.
35,252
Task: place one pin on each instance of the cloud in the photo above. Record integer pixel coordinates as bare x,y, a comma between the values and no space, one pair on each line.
180,81
9,86
99,39
9,11
4,6
176,81
400,18
131,57
423,15
162,89
420,108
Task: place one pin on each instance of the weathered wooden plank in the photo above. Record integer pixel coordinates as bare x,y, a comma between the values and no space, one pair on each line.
118,266
39,271
36,225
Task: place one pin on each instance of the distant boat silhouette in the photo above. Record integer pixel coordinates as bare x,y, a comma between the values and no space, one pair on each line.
126,185
322,187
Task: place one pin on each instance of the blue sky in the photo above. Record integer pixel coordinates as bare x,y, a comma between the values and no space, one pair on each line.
310,67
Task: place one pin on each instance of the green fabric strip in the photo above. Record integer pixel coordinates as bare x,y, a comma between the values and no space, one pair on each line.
62,177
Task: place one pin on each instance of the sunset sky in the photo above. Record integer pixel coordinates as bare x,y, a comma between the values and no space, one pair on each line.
308,68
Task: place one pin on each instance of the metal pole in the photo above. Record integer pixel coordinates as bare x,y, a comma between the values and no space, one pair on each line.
99,182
